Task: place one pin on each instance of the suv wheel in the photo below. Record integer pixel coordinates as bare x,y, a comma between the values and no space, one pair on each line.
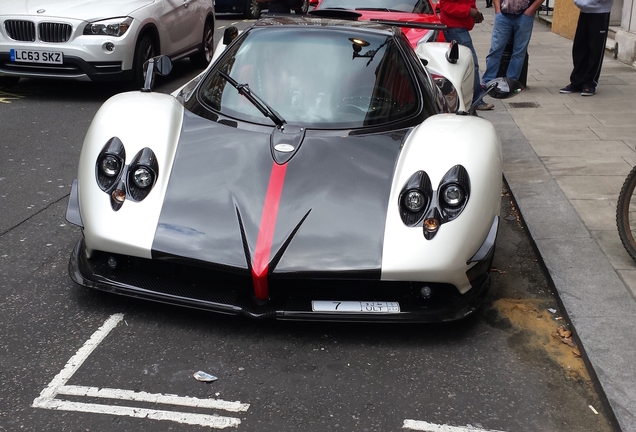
252,9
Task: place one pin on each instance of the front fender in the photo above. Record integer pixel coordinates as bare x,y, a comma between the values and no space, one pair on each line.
437,145
139,120
460,74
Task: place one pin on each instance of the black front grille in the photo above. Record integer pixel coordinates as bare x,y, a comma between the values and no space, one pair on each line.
20,30
54,32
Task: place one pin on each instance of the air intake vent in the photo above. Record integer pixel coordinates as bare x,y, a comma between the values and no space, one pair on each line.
55,32
20,30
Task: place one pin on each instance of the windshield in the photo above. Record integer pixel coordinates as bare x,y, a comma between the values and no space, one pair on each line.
411,6
316,77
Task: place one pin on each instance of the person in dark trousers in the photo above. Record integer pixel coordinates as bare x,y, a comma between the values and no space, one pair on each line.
513,18
460,17
589,46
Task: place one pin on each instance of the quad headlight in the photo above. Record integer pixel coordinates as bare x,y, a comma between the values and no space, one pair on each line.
110,165
421,206
415,198
453,195
142,174
143,177
414,201
121,181
112,27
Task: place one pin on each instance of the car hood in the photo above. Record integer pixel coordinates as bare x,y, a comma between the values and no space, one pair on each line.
87,10
229,205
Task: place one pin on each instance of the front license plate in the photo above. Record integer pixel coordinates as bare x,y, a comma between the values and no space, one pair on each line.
29,56
355,307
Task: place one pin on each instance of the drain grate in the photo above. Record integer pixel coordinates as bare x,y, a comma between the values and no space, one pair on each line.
523,105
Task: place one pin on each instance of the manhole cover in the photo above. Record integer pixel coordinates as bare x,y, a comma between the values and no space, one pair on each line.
523,105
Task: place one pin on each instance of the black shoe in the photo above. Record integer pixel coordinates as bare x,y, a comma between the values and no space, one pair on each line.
588,91
569,89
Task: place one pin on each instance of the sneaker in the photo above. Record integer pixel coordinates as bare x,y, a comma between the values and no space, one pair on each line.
588,91
484,106
569,89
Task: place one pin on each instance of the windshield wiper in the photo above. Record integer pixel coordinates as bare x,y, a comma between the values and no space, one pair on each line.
259,103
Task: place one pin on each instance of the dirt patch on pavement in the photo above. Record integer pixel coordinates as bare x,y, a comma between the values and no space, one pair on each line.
538,328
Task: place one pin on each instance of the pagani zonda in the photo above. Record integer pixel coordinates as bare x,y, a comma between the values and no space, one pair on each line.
315,171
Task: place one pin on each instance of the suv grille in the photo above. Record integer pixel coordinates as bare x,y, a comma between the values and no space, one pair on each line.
20,30
54,32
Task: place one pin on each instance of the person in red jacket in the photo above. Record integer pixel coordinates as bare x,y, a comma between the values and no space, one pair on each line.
460,17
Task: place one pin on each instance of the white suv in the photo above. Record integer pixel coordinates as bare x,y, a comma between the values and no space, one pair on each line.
100,40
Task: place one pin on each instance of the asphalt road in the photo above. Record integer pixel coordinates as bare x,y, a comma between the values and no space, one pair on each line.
504,368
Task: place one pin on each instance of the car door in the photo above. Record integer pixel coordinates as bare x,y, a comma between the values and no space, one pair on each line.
178,23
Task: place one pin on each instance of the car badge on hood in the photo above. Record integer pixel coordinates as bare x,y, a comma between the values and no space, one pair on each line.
285,148
41,10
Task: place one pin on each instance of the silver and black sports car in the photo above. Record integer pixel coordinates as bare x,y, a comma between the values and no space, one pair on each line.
319,169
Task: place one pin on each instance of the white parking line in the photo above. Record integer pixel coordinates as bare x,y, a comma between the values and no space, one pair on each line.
212,421
430,427
152,398
57,386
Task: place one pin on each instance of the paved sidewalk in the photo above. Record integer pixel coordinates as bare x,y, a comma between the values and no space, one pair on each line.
565,161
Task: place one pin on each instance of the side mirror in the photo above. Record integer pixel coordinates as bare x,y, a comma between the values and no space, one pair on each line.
452,55
499,88
161,65
229,35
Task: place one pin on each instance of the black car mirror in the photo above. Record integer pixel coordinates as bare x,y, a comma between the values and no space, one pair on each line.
161,65
229,35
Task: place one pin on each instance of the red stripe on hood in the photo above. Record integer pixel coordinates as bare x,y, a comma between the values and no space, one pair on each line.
260,266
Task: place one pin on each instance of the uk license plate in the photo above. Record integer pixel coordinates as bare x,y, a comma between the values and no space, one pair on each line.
353,307
32,56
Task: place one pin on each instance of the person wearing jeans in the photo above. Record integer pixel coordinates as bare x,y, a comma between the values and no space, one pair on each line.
513,19
460,16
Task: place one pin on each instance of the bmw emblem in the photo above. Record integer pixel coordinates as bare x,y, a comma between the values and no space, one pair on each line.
41,11
285,148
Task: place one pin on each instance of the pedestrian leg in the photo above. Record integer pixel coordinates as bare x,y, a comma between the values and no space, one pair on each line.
501,32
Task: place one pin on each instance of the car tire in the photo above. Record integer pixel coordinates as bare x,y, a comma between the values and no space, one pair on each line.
202,58
9,81
252,9
144,51
303,9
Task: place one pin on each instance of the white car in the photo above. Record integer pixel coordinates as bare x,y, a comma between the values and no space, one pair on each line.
319,169
100,40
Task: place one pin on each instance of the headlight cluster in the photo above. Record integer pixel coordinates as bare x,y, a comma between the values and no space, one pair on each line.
420,205
121,181
112,27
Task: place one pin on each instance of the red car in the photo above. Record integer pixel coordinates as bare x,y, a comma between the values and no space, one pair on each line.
413,11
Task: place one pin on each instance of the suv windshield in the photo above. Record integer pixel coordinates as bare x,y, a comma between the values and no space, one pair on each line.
315,77
411,6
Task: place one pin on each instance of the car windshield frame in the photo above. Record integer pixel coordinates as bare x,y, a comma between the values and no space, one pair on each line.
405,6
327,78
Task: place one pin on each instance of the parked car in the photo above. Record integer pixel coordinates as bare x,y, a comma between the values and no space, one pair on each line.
412,11
253,8
315,171
100,40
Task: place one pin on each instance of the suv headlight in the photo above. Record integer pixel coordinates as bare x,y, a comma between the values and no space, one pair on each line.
110,27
